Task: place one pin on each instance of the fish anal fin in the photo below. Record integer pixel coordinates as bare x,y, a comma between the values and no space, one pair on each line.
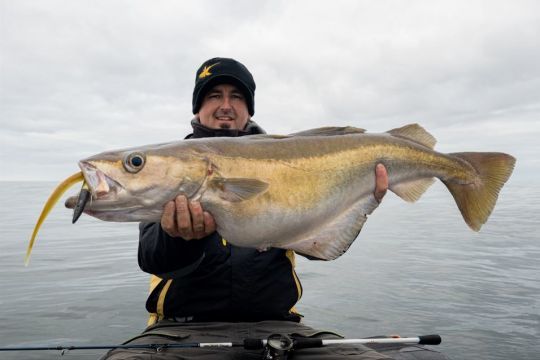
238,189
415,133
333,237
412,190
330,131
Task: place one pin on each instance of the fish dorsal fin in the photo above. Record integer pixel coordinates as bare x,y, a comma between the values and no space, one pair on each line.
330,131
264,136
238,189
415,133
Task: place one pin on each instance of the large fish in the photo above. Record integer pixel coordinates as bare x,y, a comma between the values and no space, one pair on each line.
310,191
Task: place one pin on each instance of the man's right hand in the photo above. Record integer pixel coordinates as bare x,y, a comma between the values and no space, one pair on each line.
186,219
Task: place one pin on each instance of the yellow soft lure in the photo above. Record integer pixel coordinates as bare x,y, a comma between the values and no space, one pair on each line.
53,199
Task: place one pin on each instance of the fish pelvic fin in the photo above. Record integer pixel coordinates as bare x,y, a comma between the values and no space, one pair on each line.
477,200
238,189
416,133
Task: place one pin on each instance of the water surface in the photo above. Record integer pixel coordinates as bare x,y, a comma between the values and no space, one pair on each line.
415,269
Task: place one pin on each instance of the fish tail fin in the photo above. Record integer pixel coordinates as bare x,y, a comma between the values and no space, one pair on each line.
476,200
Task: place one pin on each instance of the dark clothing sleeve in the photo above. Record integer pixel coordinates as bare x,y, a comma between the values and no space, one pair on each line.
166,256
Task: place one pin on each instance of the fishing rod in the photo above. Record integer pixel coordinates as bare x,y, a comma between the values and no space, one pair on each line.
276,346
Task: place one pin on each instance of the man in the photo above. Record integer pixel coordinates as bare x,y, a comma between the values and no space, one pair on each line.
204,287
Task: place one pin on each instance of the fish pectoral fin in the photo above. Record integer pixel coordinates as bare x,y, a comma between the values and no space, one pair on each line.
412,190
416,133
238,189
332,237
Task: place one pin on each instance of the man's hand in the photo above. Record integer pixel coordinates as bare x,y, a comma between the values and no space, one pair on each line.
186,219
381,182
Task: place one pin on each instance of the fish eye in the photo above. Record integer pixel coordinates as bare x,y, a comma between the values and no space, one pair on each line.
134,162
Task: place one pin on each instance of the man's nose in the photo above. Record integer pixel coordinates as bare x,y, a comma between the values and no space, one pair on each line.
226,103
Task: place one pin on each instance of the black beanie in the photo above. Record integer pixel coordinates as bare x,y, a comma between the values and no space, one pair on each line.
223,71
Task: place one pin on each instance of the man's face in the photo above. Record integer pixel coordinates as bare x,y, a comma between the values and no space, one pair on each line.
224,107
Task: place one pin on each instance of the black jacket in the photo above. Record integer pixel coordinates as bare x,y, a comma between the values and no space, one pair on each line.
212,280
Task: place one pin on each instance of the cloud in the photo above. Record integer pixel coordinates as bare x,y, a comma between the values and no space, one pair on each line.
79,78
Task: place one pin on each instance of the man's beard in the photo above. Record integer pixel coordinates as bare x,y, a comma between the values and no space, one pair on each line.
224,126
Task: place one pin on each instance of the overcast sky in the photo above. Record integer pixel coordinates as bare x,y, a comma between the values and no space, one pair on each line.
81,77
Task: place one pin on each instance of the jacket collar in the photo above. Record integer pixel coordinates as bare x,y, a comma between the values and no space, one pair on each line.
201,131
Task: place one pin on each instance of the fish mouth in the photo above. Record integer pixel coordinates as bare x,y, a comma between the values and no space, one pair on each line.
97,186
101,186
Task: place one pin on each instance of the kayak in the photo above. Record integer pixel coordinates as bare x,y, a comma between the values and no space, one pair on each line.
267,340
169,340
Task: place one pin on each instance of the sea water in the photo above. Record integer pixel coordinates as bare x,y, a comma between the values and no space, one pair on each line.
415,269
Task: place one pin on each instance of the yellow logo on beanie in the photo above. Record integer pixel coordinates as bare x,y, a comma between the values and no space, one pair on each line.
206,71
